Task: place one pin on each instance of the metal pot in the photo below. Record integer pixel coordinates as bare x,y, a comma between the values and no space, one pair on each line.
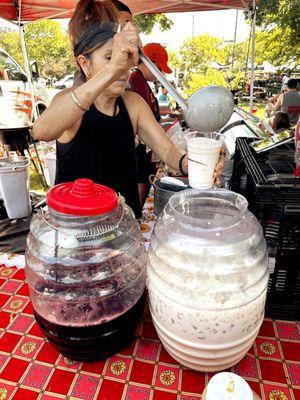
163,191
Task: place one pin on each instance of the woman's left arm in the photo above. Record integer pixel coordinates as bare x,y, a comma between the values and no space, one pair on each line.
154,136
151,133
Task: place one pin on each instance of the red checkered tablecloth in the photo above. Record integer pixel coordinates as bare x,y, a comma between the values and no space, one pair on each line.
30,368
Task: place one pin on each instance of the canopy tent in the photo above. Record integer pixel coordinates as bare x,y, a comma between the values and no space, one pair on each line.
31,10
22,11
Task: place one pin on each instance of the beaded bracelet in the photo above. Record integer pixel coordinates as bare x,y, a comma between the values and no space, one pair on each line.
77,102
180,164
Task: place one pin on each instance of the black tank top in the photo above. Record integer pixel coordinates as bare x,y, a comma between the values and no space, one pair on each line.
103,150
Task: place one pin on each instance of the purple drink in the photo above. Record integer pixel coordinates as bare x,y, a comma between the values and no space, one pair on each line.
96,341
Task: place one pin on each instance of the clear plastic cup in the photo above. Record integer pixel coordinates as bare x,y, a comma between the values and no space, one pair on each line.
51,165
203,150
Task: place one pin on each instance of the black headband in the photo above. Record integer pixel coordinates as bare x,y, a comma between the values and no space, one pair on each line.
94,35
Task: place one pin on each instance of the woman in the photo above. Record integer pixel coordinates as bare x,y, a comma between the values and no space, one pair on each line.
95,124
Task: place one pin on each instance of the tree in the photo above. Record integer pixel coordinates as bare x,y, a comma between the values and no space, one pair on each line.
199,80
47,44
283,14
237,60
146,22
173,60
279,40
196,56
274,46
199,52
11,43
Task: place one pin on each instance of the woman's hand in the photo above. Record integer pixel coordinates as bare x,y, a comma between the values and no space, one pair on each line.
125,53
219,167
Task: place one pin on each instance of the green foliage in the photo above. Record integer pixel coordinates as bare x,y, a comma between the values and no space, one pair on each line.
284,14
173,60
201,51
11,43
235,80
47,44
146,22
236,56
198,80
279,40
274,46
196,56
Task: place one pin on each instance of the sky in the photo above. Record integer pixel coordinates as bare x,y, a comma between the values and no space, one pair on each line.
220,24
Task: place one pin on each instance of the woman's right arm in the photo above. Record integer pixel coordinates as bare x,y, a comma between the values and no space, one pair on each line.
63,115
62,118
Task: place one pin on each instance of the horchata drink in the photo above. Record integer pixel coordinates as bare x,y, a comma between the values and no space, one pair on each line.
207,278
203,151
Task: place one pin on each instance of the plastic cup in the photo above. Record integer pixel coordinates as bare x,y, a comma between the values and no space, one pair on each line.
14,184
203,150
51,165
228,386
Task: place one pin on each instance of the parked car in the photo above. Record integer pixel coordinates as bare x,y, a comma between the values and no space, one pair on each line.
65,82
16,110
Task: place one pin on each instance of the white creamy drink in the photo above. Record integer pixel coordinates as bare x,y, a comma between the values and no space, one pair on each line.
203,154
207,286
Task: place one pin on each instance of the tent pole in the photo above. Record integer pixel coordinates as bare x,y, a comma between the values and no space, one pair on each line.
31,89
27,69
252,56
234,39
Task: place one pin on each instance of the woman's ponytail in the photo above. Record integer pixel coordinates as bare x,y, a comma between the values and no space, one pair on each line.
87,12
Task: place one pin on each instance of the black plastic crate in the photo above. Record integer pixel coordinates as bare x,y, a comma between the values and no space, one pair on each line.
267,181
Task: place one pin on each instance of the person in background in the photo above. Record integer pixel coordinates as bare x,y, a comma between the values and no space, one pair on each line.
290,98
138,83
285,79
279,123
163,97
95,137
141,75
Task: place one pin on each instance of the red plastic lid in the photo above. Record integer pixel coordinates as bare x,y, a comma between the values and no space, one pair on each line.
82,197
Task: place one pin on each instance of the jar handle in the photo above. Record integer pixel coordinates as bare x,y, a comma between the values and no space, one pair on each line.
95,232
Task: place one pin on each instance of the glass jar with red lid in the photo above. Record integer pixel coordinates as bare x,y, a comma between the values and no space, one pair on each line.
86,270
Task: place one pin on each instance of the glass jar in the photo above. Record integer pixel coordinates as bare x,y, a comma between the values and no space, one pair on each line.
207,278
86,270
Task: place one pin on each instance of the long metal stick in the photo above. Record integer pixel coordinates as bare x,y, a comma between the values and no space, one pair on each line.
161,78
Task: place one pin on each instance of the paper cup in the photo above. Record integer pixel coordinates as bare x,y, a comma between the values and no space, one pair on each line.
14,186
51,165
203,150
227,386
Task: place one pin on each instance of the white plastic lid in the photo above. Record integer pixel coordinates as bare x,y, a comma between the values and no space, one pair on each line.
228,386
